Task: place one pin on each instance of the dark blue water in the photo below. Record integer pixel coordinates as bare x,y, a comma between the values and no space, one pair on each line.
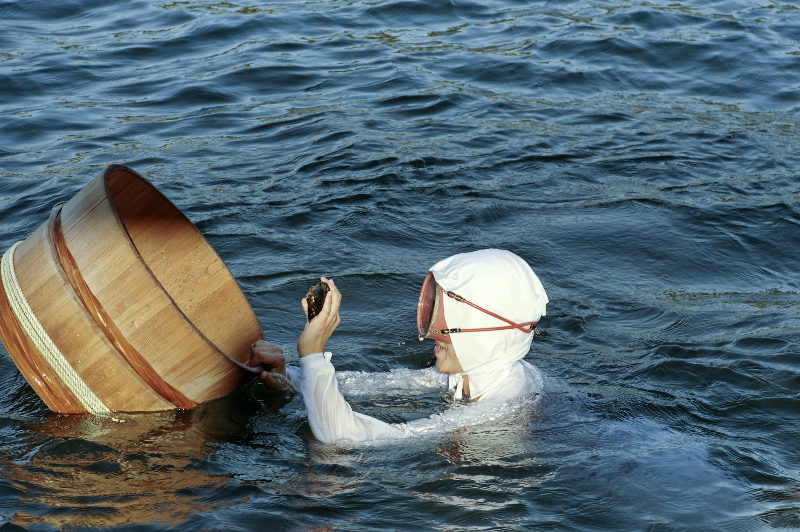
642,156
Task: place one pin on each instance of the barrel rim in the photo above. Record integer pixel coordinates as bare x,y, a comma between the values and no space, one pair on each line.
106,176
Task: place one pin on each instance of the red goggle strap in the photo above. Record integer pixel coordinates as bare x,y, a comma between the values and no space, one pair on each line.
527,327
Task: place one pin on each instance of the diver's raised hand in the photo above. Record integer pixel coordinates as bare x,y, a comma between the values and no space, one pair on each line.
317,331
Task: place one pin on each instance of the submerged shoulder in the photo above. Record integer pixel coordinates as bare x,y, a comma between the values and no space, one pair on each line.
524,380
534,382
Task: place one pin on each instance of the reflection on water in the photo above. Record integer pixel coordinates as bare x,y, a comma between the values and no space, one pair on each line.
117,470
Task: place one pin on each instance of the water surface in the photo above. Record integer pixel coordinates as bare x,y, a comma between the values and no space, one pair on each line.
642,156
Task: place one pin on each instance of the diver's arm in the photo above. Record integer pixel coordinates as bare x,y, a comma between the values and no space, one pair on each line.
395,381
329,414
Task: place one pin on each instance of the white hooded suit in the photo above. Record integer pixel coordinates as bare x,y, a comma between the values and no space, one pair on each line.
496,280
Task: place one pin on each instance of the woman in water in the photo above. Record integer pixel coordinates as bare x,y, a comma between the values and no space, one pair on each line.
481,309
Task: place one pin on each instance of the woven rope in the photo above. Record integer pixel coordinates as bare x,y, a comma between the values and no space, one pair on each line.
285,380
34,330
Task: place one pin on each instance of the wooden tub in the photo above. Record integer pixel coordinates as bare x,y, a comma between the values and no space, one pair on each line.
119,304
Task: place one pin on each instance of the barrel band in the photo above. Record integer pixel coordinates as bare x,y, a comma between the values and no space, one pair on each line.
104,320
44,344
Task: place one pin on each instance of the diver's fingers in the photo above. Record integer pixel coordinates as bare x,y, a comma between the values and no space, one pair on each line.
270,381
267,355
304,304
333,299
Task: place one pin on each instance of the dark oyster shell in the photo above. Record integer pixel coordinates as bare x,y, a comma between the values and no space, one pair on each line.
315,297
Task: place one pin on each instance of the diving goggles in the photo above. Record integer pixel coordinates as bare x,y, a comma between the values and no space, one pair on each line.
430,314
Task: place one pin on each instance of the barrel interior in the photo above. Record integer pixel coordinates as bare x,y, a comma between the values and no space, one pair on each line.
180,258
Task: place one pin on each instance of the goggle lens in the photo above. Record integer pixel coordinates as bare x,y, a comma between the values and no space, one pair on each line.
426,306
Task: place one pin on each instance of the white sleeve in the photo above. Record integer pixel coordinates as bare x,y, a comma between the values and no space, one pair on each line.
329,415
295,374
395,381
332,419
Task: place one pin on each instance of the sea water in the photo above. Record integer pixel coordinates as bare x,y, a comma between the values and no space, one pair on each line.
642,156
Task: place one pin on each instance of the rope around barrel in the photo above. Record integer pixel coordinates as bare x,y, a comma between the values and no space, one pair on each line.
44,344
285,380
53,356
258,369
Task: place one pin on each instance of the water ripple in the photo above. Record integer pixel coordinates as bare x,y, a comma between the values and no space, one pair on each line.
642,157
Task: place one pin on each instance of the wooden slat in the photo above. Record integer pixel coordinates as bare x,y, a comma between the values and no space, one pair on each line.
136,299
104,322
77,335
30,363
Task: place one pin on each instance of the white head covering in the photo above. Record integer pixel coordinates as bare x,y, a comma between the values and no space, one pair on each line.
503,283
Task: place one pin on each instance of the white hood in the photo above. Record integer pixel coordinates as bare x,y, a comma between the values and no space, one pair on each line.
503,283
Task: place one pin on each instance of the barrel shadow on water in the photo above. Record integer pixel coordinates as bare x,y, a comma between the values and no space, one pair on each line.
113,471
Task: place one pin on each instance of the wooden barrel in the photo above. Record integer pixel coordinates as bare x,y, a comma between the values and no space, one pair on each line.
118,304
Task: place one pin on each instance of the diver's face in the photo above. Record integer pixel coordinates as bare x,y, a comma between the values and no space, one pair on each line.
446,360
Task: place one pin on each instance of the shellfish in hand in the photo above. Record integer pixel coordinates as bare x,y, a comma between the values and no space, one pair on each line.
315,297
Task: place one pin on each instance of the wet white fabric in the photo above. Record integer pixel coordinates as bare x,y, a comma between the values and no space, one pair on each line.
494,279
503,283
332,419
